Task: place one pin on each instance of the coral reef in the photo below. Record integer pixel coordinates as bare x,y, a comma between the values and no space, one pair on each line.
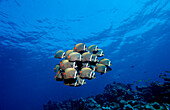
118,96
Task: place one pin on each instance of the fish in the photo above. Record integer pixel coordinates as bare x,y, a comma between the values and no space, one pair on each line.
70,73
94,58
74,56
99,52
80,47
80,81
105,61
100,68
92,67
57,68
79,64
92,48
58,76
67,53
61,63
74,82
59,54
86,57
87,73
71,82
66,64
85,65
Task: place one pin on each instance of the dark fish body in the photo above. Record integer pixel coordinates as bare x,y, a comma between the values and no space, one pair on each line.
70,82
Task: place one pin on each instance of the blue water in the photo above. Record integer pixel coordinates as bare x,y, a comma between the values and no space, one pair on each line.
132,33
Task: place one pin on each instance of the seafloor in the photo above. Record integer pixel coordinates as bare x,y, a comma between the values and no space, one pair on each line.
118,96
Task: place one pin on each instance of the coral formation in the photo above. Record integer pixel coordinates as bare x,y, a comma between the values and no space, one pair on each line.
118,96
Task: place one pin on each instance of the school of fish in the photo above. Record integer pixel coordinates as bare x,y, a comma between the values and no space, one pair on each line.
80,63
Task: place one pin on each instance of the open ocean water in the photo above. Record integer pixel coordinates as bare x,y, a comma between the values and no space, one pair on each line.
134,35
